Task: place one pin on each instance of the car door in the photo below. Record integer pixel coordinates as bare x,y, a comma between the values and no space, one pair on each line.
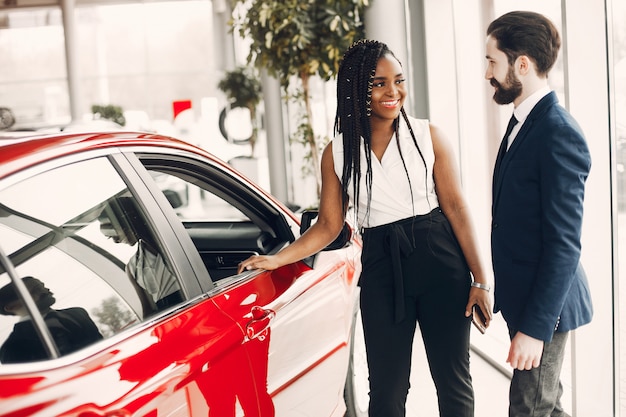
306,321
296,319
151,360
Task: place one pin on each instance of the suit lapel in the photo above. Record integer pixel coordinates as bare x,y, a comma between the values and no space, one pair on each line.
505,157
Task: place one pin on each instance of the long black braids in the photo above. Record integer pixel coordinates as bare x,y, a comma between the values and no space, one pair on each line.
354,97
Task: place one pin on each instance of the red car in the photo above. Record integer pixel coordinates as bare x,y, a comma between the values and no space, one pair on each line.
119,292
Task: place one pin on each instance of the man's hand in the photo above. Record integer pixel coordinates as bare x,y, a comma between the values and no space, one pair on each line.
525,352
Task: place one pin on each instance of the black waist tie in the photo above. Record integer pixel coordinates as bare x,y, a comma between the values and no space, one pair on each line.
398,240
399,245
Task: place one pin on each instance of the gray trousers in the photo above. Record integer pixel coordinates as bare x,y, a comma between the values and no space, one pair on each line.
537,393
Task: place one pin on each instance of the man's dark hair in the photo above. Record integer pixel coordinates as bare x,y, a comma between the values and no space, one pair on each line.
527,33
8,294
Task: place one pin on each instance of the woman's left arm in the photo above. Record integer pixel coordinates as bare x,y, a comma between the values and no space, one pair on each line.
453,204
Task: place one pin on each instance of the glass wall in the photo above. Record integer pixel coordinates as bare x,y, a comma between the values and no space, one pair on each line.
618,20
134,55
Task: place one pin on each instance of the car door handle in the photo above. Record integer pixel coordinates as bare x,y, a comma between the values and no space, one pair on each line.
258,326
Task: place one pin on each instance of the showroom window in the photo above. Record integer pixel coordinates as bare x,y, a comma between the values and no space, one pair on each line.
619,145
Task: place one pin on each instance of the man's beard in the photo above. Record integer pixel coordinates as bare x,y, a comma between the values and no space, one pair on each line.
507,94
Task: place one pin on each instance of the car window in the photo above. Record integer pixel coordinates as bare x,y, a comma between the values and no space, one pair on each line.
85,251
193,202
226,220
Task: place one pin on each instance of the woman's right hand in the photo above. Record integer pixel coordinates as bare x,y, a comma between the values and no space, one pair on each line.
267,262
329,223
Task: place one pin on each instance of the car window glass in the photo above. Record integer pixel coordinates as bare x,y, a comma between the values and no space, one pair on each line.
92,264
66,188
210,210
193,202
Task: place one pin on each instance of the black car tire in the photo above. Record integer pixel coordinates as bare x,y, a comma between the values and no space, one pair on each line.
356,391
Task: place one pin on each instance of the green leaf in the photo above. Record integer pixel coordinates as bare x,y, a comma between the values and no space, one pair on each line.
294,39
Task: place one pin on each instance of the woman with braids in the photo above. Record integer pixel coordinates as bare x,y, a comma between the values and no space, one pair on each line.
420,262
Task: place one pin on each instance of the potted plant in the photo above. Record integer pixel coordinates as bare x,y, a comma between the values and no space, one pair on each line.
298,39
109,112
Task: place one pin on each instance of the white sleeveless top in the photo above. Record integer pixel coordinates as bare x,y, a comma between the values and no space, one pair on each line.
391,193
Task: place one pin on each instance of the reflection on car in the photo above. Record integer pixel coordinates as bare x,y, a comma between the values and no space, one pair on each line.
141,235
71,328
156,284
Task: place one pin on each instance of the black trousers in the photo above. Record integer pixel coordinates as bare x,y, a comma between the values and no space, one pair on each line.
414,273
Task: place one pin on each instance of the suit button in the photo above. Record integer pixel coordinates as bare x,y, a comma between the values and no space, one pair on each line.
494,225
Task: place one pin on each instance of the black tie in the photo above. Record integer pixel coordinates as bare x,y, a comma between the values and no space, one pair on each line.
505,142
509,129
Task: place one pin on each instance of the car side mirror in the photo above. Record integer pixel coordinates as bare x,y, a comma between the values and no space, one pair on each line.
174,198
340,241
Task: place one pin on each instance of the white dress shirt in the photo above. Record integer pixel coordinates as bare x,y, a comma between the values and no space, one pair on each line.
522,111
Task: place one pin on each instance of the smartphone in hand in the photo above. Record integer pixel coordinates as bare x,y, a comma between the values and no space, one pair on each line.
478,319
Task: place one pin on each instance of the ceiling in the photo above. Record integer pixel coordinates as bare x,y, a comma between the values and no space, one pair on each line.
13,4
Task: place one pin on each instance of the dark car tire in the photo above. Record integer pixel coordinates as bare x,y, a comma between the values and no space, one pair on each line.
356,391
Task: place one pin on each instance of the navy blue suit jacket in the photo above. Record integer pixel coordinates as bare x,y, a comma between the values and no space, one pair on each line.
537,211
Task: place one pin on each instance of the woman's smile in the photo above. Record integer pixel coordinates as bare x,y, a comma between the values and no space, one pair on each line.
390,103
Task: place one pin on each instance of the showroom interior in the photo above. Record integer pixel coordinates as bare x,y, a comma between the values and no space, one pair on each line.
61,57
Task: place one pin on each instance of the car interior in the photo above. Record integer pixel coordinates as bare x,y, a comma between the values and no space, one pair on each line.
226,222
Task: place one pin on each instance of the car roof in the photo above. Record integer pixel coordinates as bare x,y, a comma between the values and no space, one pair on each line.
18,152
